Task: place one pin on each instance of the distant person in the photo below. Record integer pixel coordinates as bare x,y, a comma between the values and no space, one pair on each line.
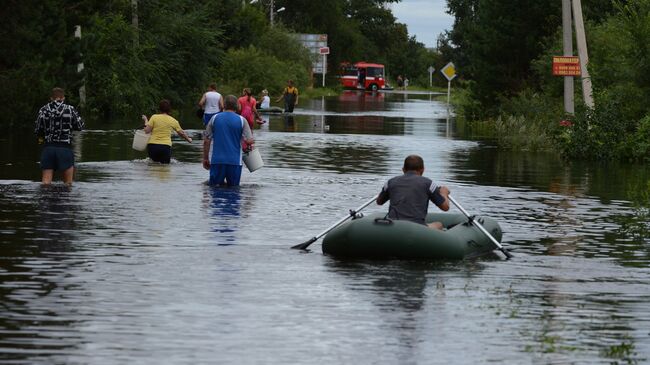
248,107
400,82
406,82
211,102
362,78
409,194
54,125
222,141
161,126
265,100
290,95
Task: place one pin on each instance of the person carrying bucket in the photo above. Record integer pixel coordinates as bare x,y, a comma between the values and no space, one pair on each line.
222,140
160,126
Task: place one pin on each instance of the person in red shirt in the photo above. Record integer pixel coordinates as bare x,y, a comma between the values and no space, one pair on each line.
248,107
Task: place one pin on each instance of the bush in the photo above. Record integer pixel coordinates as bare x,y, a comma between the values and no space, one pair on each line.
599,133
637,147
250,67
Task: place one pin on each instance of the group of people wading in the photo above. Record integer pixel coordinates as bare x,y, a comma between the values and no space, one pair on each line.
228,132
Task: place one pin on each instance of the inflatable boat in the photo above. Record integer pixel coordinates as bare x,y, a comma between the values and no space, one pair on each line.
273,109
375,236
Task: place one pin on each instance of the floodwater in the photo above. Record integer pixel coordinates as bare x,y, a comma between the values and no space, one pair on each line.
143,263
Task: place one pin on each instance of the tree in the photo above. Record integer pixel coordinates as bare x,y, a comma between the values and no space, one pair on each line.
495,42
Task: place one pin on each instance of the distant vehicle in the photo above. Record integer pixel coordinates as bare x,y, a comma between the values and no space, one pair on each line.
363,76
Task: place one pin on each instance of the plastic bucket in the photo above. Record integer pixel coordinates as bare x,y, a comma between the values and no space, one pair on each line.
140,140
253,160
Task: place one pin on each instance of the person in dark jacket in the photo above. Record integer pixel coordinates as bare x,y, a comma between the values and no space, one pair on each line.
54,126
409,194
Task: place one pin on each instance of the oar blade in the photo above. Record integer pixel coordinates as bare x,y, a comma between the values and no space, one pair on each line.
304,245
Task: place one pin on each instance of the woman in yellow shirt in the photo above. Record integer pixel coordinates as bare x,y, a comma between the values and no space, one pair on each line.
160,126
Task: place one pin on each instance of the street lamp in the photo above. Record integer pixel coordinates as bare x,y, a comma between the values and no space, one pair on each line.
273,11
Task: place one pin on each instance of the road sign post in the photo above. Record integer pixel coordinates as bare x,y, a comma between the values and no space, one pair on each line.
324,51
449,71
431,69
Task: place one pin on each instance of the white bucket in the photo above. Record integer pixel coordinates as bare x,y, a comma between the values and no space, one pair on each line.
140,140
253,160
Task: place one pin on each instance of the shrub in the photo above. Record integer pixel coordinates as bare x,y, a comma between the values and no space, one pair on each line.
250,67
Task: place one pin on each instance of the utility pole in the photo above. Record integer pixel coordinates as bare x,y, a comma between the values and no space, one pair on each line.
271,12
80,68
567,33
582,53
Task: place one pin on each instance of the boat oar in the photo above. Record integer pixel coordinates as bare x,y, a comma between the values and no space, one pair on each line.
304,245
481,228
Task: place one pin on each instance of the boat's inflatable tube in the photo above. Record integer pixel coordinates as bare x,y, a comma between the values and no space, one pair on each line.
373,236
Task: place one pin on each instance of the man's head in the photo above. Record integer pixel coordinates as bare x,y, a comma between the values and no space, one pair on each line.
290,82
230,103
212,86
58,94
413,163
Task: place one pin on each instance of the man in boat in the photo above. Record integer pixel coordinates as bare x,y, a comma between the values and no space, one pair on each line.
225,133
409,194
54,125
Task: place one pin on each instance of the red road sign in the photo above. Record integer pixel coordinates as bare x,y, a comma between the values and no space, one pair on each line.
566,66
324,50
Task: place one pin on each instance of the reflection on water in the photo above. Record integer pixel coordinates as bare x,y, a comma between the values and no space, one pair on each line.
144,263
225,205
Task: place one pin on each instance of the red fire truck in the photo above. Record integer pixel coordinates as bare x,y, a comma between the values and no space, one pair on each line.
363,76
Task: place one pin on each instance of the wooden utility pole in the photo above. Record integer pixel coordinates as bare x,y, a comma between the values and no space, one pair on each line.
567,33
582,53
80,68
271,12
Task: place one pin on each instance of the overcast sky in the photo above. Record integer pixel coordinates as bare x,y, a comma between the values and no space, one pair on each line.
425,18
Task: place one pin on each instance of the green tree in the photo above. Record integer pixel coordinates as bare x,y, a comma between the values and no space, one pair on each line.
496,41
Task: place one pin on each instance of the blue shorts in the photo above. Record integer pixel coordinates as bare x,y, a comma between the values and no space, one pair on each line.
57,157
159,152
225,174
207,117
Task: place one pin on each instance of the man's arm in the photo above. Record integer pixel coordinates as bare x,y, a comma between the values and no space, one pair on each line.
383,196
77,122
207,139
247,135
206,151
39,129
440,197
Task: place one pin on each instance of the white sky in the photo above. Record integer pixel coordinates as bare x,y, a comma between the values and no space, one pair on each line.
425,19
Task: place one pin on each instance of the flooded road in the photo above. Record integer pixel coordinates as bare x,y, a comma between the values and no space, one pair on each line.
143,263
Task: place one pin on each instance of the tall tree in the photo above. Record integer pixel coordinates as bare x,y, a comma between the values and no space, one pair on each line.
496,41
